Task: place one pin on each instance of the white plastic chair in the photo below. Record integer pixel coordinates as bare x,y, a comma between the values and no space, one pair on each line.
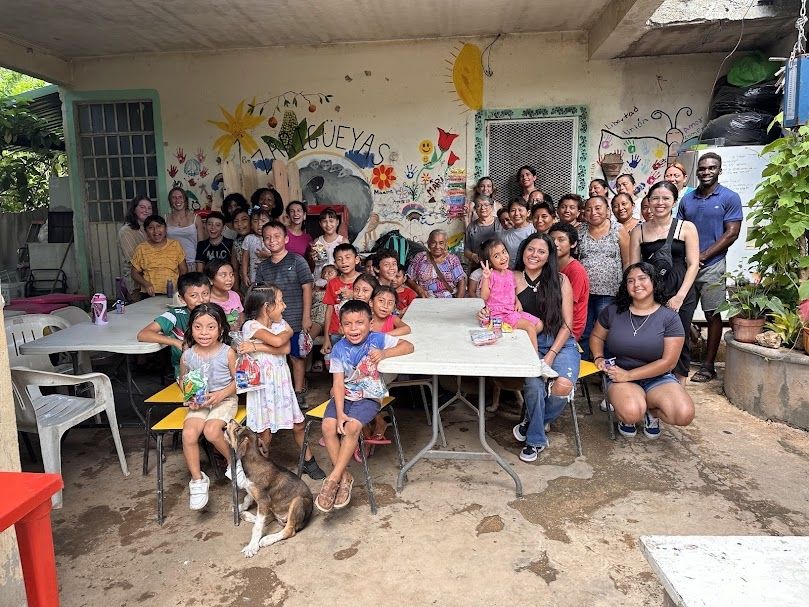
28,327
51,415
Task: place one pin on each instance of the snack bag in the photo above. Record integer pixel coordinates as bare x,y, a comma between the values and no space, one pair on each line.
195,385
304,343
483,337
248,372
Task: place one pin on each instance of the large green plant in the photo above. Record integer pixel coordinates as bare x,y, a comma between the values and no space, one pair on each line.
780,214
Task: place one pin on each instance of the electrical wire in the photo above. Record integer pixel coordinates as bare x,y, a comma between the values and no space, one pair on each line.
487,69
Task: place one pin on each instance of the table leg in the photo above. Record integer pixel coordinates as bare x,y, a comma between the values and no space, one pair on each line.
436,425
482,436
35,541
129,390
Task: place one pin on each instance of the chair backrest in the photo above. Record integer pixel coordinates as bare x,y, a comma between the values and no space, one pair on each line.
72,315
28,327
23,407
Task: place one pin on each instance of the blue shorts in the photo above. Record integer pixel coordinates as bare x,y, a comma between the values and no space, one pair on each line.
651,383
364,411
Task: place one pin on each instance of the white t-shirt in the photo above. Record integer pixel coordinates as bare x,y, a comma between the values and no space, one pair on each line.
252,244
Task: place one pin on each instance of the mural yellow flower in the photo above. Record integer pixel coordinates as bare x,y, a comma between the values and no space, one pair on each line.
237,127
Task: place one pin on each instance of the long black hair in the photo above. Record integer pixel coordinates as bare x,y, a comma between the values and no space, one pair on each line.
549,291
623,300
259,295
217,313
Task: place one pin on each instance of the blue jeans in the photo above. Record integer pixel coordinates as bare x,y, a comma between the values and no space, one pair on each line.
595,304
541,407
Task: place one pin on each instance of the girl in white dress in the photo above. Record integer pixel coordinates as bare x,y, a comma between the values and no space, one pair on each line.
267,339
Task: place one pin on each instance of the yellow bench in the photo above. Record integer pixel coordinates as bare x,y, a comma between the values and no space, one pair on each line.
316,415
170,395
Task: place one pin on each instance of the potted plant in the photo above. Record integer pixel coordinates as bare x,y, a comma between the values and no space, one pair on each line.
747,305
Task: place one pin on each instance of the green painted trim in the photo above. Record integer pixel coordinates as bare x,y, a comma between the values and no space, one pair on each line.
559,111
80,223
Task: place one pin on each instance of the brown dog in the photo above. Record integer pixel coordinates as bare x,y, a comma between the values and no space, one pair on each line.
277,491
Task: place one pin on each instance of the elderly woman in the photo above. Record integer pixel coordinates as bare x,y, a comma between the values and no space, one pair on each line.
183,225
479,230
645,337
437,272
130,236
678,281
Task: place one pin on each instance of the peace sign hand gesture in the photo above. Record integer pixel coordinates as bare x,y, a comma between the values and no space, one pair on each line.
486,269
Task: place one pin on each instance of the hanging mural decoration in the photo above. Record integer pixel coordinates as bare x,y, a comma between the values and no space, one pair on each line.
628,146
467,75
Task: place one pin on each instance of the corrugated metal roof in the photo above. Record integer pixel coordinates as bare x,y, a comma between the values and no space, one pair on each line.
45,103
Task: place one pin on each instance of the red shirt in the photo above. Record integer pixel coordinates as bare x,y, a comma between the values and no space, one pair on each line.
403,300
580,284
337,293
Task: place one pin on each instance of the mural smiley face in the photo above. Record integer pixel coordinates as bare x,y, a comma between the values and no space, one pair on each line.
426,147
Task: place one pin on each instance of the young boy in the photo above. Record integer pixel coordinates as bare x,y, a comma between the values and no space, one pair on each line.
216,246
291,274
387,264
169,328
358,391
338,291
157,260
404,294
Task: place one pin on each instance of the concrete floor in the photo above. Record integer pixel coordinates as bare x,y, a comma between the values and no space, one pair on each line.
456,535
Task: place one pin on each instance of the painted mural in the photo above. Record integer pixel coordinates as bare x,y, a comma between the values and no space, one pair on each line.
640,144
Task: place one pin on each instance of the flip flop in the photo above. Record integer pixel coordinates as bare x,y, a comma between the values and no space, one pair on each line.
704,375
377,439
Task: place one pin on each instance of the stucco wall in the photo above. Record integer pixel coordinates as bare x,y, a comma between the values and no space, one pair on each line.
401,94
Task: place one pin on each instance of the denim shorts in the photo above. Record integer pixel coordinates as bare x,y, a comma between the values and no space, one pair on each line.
364,411
650,383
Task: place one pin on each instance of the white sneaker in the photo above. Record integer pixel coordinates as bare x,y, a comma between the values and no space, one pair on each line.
603,405
199,492
241,479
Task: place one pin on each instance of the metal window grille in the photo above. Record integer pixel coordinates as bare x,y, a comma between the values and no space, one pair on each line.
547,144
118,158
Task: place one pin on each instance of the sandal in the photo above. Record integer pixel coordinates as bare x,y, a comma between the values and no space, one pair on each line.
328,492
704,375
369,451
377,439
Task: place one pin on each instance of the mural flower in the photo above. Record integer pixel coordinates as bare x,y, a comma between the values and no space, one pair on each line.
452,159
383,177
236,127
445,139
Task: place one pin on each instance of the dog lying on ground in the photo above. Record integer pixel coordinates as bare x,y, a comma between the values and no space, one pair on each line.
276,491
505,383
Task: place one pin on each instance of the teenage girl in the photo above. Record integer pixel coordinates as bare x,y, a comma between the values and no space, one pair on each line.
498,288
267,339
220,273
208,348
383,303
253,249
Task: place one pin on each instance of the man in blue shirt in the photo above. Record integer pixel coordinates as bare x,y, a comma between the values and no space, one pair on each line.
716,211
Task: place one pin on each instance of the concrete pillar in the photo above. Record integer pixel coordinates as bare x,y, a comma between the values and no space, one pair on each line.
12,590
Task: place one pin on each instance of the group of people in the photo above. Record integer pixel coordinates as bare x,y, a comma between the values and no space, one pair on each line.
577,278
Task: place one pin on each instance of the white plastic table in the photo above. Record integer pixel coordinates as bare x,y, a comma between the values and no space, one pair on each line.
440,334
119,335
743,571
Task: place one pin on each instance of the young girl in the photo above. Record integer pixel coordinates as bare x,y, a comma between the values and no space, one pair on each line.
241,226
253,249
267,339
383,304
498,288
404,294
364,286
299,241
324,245
207,346
220,273
157,260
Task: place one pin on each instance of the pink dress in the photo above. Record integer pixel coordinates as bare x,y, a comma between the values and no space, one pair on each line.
502,299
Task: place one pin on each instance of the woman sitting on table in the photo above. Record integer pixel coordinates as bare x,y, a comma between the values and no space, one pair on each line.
437,272
546,293
645,337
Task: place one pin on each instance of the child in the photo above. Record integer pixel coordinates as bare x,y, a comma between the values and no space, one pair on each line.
328,272
323,248
364,287
208,347
158,260
387,264
369,266
505,219
216,246
291,274
299,241
253,249
241,225
404,294
499,289
358,391
383,303
338,291
169,328
275,406
569,209
220,273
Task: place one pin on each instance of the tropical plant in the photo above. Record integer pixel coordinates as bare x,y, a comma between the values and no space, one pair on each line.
780,214
787,325
749,299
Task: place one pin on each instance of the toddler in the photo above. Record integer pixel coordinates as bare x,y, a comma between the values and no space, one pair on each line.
404,294
253,249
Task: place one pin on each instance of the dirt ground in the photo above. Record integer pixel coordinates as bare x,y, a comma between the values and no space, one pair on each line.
456,535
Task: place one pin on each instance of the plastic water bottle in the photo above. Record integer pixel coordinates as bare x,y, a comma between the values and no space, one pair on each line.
170,288
98,309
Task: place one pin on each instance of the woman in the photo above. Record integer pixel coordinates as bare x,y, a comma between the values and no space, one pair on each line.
604,252
437,272
543,216
520,230
526,179
231,204
130,236
484,188
676,174
183,225
546,293
269,200
625,184
645,337
599,187
623,207
483,228
678,282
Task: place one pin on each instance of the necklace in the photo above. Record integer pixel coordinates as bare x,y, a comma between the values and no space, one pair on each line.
636,329
534,286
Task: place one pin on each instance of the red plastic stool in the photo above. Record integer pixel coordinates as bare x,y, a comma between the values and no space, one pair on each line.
25,502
